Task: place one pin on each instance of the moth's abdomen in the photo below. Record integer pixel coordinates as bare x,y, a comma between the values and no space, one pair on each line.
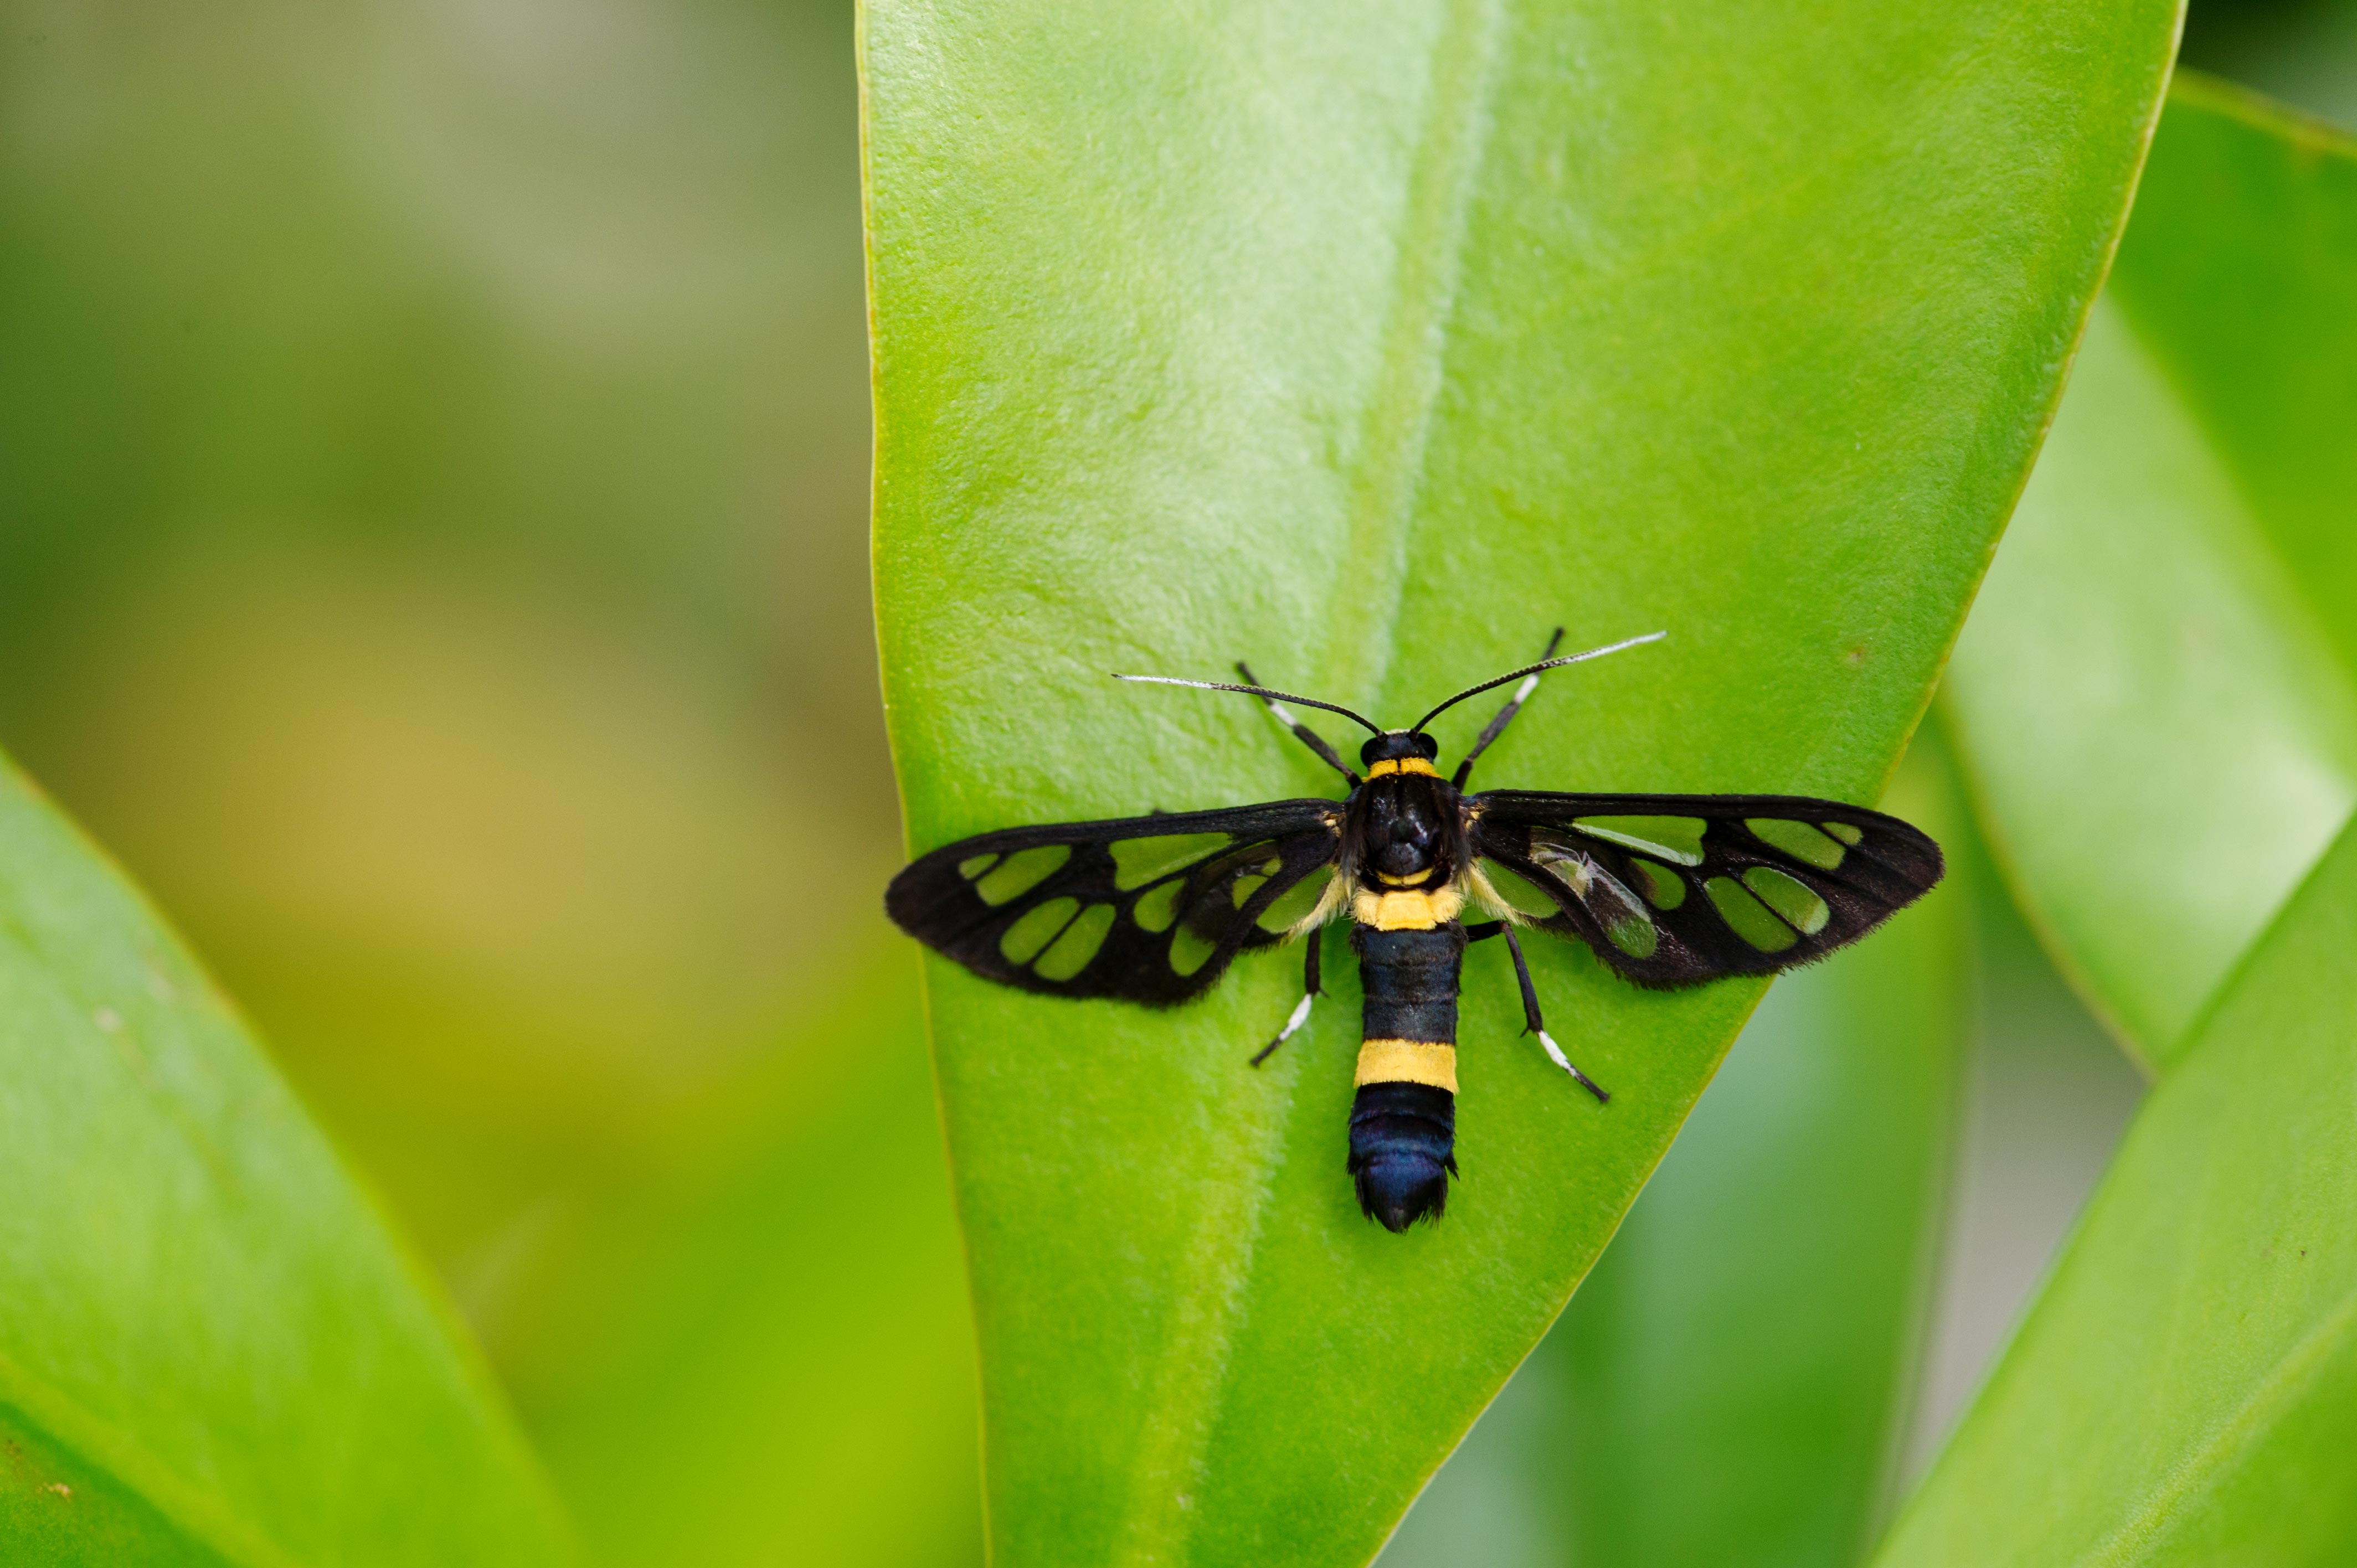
1401,1139
1404,1121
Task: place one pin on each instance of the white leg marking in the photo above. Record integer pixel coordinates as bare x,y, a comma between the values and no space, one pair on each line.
1522,692
1300,1016
1563,1062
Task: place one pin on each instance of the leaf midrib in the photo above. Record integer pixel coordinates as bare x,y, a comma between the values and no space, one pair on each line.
1387,480
2135,1537
1383,487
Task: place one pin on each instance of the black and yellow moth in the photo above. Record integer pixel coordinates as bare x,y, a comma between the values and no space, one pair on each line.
1668,890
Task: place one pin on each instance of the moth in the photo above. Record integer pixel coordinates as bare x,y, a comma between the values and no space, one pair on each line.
1667,890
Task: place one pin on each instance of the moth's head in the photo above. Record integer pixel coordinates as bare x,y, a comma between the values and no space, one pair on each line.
1398,746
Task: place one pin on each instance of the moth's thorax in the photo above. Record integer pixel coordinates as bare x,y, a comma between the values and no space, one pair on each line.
1407,848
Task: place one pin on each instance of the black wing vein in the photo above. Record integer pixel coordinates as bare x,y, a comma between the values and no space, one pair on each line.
1147,909
1675,889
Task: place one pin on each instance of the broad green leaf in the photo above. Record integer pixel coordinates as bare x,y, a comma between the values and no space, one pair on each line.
1732,1382
2157,693
753,1347
1368,344
211,1352
2185,1391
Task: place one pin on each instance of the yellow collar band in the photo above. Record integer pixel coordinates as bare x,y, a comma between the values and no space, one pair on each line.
1411,909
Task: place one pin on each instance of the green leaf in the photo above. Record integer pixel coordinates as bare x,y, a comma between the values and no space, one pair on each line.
1368,346
1732,1382
211,1352
2155,696
2185,1391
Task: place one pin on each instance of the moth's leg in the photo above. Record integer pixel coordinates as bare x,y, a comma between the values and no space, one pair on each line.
1536,1025
1302,732
1497,726
1310,992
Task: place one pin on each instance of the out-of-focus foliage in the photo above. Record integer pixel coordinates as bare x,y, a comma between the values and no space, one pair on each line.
433,494
2182,1392
2158,693
2303,52
754,1343
210,1350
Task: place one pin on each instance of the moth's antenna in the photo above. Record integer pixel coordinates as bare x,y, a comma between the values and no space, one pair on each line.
1533,670
1302,732
1261,691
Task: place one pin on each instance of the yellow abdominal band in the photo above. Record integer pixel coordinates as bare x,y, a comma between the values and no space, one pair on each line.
1408,1062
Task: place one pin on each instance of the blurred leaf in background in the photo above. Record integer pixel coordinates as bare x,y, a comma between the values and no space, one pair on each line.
2180,1391
2162,672
433,493
2301,51
210,1350
753,1346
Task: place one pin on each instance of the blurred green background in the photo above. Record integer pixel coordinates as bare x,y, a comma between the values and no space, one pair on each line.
433,460
433,504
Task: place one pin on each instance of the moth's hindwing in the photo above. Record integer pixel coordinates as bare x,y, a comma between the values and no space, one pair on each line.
1675,890
1148,908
